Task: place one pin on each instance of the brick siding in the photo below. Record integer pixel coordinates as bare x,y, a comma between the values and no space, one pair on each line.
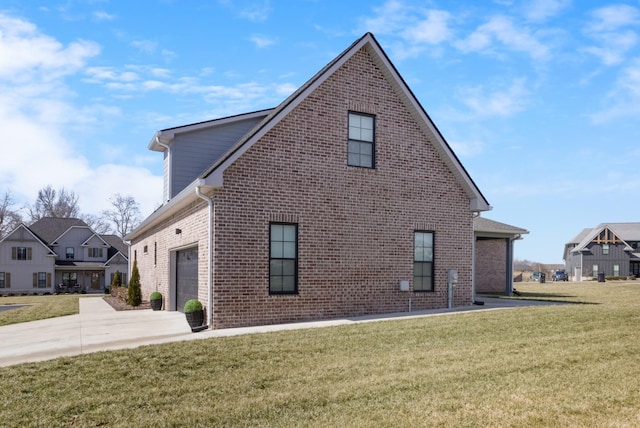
355,225
491,267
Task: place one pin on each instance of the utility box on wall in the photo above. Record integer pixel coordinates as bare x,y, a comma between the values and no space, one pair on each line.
404,285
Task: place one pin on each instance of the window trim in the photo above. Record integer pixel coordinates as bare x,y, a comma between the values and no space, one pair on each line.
432,262
271,258
70,255
372,142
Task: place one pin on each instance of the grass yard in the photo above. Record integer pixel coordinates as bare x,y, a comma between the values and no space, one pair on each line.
570,365
38,307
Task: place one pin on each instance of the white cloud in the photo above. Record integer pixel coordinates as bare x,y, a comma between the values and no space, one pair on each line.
502,102
614,17
27,54
101,15
432,30
38,118
613,47
609,31
257,11
624,100
146,46
261,41
541,10
501,29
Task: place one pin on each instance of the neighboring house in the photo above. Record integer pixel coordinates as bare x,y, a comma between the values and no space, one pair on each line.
57,254
494,255
344,200
610,248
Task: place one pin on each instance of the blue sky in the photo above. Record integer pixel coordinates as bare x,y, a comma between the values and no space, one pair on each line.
539,99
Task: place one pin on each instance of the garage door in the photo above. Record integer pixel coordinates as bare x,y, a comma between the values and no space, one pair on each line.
186,276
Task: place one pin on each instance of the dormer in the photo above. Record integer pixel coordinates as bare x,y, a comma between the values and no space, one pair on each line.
188,150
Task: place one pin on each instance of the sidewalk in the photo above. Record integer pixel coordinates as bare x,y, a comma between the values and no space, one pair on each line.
99,327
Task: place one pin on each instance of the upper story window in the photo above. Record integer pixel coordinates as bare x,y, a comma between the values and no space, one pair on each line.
95,252
20,253
70,252
361,147
423,261
283,258
605,248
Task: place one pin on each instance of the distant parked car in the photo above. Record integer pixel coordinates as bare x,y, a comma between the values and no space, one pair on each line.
560,275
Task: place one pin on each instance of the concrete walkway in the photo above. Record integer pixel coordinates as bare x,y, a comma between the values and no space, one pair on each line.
99,327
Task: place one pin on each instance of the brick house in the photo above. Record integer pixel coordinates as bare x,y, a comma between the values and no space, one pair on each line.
494,255
344,200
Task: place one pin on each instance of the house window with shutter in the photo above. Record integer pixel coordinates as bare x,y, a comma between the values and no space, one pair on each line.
361,145
21,253
5,280
95,252
41,280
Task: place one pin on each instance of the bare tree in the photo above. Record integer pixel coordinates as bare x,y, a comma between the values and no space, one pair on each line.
9,218
53,203
125,215
98,224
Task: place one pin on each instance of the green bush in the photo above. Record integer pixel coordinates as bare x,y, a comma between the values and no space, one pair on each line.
134,295
116,282
192,305
156,295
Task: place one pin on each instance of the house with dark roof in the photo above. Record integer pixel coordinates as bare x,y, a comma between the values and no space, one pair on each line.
59,254
494,248
612,249
344,200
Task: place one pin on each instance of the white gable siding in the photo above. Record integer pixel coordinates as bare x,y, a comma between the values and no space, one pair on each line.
118,263
193,152
74,237
21,271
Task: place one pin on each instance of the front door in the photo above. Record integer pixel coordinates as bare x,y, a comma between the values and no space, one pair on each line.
95,280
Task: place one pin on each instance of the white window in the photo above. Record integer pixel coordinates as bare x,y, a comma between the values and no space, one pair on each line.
361,146
423,261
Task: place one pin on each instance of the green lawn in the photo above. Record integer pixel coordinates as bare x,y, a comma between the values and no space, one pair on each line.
571,365
38,307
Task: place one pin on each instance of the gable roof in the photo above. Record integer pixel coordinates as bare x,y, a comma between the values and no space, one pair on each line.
483,227
51,228
50,252
116,242
165,136
624,231
212,177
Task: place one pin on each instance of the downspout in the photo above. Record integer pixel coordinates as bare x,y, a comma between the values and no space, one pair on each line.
473,264
168,147
210,257
509,266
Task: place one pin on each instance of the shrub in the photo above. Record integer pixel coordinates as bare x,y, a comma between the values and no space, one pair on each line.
192,305
116,282
134,295
156,295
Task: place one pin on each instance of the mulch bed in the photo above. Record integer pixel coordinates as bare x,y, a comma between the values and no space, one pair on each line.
120,305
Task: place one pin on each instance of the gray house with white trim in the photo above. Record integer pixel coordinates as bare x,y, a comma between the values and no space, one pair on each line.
612,249
59,254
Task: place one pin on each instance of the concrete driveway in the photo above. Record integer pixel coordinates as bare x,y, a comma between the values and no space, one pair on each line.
99,327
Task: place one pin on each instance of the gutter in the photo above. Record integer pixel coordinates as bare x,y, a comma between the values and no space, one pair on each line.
209,257
168,147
